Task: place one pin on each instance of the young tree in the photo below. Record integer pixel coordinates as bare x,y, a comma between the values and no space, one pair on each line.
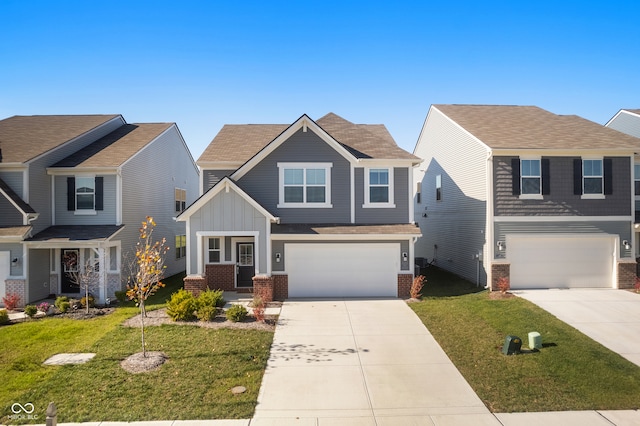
84,277
147,270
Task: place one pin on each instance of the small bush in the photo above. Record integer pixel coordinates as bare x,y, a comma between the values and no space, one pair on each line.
236,313
64,306
4,316
92,301
503,284
258,308
44,307
11,301
211,298
30,310
59,301
206,313
121,295
182,305
416,287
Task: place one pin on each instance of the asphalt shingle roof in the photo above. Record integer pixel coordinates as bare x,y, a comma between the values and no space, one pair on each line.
345,229
23,138
530,127
14,231
64,233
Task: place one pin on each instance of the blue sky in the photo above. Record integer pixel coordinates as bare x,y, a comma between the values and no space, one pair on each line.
203,64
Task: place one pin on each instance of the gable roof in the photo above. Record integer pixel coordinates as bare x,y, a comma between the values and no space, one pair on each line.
240,142
15,199
23,138
633,111
530,127
115,148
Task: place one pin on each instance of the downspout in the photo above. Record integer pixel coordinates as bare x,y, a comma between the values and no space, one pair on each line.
489,231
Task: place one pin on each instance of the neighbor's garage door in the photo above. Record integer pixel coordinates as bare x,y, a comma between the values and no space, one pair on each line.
561,262
342,270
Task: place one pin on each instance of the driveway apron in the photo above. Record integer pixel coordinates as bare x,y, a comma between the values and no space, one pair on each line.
361,362
610,317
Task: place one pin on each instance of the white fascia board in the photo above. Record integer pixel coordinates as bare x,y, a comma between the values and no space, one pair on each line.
621,152
302,122
343,237
13,203
185,146
391,162
66,171
173,125
219,165
563,218
471,135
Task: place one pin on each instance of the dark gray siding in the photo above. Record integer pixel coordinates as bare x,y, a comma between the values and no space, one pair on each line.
621,228
9,214
13,181
561,201
39,267
15,250
102,217
399,214
211,177
261,182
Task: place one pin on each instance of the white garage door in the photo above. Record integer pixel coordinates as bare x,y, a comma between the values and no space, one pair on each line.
561,262
342,270
5,270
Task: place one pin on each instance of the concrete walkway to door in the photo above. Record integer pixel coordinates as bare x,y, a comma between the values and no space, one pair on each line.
610,317
361,362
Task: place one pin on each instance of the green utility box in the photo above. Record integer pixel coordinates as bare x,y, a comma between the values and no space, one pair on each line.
535,341
512,345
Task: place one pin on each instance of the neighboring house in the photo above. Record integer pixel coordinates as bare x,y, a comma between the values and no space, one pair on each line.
312,209
628,121
519,192
75,188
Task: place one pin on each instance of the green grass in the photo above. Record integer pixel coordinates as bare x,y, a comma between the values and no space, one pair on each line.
571,372
194,383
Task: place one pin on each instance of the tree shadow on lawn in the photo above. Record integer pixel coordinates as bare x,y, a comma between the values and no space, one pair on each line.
441,283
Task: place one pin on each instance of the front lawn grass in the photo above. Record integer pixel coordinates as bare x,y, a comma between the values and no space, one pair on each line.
571,372
194,383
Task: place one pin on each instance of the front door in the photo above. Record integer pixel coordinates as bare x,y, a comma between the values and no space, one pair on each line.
70,262
245,267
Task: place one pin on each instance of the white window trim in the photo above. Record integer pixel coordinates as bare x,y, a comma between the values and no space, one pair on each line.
538,196
600,196
367,203
635,179
326,166
183,191
85,212
184,248
206,250
438,187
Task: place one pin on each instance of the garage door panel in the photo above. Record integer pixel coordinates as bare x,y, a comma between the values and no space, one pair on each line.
561,262
342,270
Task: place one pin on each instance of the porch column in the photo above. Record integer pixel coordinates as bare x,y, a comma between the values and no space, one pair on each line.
102,268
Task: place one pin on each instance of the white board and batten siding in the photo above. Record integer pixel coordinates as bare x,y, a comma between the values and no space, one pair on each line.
456,223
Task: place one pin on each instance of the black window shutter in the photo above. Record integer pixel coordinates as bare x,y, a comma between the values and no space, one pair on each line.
99,193
546,177
577,176
607,166
71,193
515,176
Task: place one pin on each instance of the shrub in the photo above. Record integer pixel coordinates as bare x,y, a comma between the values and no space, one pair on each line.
258,308
503,284
30,310
236,313
182,305
121,295
206,313
207,303
11,301
44,307
92,301
64,306
59,301
4,316
416,287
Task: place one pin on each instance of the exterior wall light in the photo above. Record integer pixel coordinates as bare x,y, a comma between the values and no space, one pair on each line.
405,257
626,244
278,257
501,245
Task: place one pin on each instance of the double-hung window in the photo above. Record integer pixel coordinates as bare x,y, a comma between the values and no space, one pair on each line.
592,177
438,187
214,250
378,185
181,200
181,246
304,185
531,178
85,193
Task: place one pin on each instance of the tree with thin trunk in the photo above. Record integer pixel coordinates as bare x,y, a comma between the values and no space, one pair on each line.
147,270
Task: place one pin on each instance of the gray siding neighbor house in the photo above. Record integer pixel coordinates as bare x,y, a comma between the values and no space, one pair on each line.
74,190
519,192
309,209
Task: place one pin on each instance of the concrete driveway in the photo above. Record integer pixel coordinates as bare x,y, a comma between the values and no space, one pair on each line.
610,317
361,362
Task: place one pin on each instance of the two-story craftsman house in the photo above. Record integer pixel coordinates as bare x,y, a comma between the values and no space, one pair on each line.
75,188
317,208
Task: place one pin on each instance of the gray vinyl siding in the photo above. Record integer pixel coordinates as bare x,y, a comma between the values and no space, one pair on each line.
277,246
262,182
39,267
620,228
15,251
9,214
228,211
13,181
211,177
626,123
102,217
40,182
399,214
561,201
453,229
149,179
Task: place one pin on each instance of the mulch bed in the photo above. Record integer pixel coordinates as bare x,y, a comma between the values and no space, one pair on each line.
159,317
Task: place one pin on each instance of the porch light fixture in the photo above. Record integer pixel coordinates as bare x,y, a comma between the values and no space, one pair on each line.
626,244
14,260
501,245
405,257
277,257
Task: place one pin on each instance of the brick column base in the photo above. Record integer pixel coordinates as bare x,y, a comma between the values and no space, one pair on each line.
404,285
499,270
280,287
195,284
626,274
263,287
